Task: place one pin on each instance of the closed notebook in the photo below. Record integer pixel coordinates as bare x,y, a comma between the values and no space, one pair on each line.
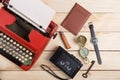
76,19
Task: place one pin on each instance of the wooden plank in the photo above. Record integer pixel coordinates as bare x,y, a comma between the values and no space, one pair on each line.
42,75
101,21
92,6
0,5
110,61
107,41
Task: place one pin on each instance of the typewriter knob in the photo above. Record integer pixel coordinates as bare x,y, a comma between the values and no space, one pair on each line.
54,36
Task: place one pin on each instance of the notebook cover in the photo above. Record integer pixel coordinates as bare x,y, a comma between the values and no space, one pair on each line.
76,19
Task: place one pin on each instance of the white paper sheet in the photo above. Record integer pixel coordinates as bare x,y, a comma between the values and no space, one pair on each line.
35,10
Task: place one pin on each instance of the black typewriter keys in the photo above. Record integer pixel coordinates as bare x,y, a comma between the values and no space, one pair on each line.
16,50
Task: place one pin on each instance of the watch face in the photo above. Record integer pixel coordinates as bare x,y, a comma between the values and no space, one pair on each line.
84,52
94,40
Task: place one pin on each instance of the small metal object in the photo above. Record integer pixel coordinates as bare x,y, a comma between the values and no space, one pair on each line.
30,53
4,36
83,51
11,40
21,47
30,57
22,61
16,57
64,39
8,38
1,34
85,74
82,40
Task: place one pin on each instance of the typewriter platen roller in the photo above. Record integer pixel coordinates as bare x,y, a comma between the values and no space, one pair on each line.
20,41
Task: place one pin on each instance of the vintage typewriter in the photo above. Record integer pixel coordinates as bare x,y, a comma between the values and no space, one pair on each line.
20,41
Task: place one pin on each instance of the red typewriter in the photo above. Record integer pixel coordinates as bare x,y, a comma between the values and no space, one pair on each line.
20,41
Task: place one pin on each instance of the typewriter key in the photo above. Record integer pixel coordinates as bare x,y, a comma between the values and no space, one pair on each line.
23,53
1,39
16,57
17,49
1,34
22,61
30,53
24,49
11,40
4,49
27,51
10,49
13,51
30,57
26,59
20,51
7,51
4,41
14,47
19,55
11,45
8,43
1,47
14,43
26,55
7,47
16,53
19,59
4,36
22,57
13,55
17,45
20,47
0,43
8,38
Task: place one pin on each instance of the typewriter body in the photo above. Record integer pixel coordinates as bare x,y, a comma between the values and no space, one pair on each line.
20,41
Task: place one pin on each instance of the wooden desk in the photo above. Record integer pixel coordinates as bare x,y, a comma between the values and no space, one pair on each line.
106,19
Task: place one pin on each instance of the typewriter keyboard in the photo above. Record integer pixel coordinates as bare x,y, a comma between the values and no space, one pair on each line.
15,51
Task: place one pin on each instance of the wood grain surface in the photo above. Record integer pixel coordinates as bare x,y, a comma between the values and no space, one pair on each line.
106,19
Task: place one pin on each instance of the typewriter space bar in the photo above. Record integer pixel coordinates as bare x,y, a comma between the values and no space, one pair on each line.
8,56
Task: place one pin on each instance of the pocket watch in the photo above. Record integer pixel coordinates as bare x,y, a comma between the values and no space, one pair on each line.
83,52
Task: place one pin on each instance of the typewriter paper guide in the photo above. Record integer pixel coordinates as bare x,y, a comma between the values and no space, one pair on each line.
35,10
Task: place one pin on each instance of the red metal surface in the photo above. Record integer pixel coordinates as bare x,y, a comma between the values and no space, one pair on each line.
37,43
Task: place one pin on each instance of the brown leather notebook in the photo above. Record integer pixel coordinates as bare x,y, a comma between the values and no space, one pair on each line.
76,19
